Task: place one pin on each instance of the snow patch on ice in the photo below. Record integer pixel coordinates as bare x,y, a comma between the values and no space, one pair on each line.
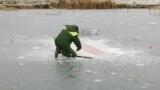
145,85
88,71
139,64
20,64
117,64
94,72
99,48
22,36
97,80
4,49
36,48
21,57
41,52
130,79
113,73
152,23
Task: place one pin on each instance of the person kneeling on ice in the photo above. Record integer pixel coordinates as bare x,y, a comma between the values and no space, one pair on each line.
63,41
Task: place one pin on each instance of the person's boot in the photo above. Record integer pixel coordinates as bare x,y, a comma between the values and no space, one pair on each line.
57,52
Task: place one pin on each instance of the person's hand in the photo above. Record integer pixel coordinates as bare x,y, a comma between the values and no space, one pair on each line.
78,49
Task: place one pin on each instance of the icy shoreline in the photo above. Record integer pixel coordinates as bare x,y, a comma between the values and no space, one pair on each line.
79,5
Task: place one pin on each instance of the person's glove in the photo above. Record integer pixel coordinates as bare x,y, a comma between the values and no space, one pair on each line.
78,49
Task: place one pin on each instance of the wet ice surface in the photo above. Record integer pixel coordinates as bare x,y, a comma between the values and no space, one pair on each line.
124,43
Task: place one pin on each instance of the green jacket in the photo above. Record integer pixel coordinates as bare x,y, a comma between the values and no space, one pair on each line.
67,36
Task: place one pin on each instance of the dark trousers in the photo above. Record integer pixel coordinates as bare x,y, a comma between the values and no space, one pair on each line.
66,50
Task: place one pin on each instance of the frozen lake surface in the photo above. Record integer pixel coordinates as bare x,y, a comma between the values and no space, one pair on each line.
124,43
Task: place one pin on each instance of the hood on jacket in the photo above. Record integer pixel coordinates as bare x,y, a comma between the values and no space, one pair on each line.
72,28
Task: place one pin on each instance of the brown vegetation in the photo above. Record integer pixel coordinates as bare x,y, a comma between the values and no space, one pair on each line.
74,5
